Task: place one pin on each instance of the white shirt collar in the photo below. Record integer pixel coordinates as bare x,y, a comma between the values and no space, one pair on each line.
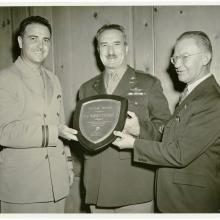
196,83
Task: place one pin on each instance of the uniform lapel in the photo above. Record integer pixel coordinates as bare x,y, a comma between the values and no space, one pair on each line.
98,85
31,80
49,85
34,82
124,84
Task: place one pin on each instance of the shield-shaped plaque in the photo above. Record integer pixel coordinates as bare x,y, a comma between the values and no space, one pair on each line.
97,117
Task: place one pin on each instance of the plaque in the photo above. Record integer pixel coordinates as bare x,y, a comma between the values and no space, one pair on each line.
97,117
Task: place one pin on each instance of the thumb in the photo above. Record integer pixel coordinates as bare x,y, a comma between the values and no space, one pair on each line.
118,133
131,114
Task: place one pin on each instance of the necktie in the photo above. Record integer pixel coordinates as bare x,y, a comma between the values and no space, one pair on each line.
111,83
183,95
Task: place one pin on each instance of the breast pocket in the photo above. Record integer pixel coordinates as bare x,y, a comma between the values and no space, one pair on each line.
139,105
190,179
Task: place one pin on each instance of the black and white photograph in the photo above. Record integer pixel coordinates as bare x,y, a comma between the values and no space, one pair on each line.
109,108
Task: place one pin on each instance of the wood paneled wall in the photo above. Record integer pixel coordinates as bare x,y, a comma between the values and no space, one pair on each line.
5,37
169,23
151,31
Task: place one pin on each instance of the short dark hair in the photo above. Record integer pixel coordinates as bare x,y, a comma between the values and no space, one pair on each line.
34,20
110,27
201,39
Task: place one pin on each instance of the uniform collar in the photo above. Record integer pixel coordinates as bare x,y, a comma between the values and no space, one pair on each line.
26,70
123,85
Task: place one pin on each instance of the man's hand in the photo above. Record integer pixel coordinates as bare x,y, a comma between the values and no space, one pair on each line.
123,140
132,125
67,133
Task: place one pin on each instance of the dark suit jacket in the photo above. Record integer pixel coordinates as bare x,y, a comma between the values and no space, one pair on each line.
111,179
189,155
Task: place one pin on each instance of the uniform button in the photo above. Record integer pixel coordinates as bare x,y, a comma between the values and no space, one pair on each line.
63,152
46,156
58,114
45,115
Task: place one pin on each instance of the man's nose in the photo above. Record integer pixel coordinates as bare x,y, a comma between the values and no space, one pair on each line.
178,62
110,49
40,44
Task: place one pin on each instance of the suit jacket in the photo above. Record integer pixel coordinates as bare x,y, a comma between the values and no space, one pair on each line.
111,179
188,178
33,165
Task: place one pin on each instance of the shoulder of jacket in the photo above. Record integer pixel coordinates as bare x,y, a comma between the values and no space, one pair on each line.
9,74
144,77
91,81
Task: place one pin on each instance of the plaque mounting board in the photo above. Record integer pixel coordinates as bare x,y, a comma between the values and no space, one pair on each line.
96,118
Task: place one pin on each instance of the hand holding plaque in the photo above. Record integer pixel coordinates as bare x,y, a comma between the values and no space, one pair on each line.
97,117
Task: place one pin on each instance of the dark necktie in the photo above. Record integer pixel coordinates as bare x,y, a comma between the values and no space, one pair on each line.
183,95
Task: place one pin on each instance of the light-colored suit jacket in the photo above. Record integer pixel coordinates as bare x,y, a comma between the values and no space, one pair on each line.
111,179
33,165
188,178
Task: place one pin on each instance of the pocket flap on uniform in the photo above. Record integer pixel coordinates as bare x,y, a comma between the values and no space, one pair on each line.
125,155
190,179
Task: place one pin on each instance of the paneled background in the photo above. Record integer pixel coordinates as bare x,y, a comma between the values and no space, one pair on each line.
151,31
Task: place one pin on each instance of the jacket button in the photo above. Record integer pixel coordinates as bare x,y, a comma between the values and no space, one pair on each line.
63,152
46,156
58,114
45,115
177,118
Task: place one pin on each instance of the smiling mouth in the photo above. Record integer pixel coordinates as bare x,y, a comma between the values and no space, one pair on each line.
179,71
111,59
39,53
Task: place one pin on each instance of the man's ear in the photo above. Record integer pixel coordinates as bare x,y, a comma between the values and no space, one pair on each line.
206,58
126,49
20,41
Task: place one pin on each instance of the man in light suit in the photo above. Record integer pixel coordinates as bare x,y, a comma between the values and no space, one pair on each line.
113,183
35,171
188,176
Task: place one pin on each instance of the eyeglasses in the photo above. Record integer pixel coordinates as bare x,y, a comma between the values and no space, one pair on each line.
183,57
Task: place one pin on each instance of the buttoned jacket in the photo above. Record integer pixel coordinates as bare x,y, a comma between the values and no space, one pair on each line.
111,179
188,178
33,166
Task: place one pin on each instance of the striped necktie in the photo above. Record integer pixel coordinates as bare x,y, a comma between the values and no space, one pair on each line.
183,95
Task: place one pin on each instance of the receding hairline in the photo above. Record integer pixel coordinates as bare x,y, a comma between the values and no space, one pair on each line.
200,39
110,27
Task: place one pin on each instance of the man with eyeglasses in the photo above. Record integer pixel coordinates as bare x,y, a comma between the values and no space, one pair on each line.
188,158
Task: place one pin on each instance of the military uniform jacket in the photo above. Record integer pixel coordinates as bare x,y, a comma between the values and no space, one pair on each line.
33,165
111,179
188,178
